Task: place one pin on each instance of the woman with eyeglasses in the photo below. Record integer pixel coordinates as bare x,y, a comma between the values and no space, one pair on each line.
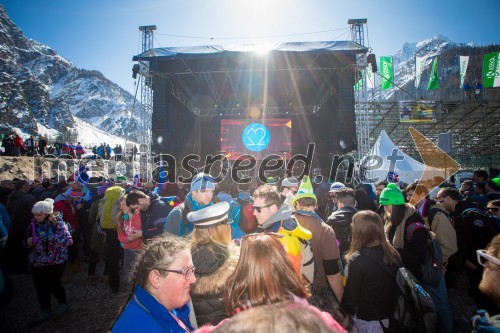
264,275
162,279
215,258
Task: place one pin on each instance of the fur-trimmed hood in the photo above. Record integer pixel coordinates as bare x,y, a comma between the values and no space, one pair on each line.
214,283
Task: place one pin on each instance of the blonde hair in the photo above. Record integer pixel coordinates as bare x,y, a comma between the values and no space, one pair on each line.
281,317
118,214
220,234
368,230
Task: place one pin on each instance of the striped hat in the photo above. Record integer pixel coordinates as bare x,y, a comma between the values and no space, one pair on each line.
305,190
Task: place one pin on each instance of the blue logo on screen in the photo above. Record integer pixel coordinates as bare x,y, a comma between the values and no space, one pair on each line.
256,137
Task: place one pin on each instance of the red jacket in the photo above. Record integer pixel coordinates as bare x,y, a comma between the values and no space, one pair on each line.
18,141
68,211
123,232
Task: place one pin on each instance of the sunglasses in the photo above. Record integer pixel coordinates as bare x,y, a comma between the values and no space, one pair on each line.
188,272
483,258
259,209
493,209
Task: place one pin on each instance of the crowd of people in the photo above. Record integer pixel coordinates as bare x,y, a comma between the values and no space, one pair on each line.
277,257
14,145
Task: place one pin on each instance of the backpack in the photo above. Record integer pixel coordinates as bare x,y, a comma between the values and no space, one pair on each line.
248,222
239,220
432,267
184,228
414,310
485,225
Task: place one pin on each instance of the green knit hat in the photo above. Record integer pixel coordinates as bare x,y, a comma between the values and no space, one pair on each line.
392,195
305,190
494,184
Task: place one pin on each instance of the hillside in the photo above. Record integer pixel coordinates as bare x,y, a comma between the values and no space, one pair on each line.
43,93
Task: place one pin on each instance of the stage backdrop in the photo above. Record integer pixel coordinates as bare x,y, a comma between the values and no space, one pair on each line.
306,88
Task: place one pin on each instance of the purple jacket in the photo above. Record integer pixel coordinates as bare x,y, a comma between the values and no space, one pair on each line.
51,249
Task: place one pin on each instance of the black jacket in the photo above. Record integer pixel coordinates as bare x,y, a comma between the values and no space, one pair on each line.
340,221
368,286
215,264
153,220
19,206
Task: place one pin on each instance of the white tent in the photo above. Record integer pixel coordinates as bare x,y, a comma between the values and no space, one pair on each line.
406,167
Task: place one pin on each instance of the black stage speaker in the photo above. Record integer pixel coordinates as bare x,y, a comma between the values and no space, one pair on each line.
445,142
373,61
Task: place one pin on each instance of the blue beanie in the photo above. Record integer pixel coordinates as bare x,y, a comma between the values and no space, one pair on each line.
202,181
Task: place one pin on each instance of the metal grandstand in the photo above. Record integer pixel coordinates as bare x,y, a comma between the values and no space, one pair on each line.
473,123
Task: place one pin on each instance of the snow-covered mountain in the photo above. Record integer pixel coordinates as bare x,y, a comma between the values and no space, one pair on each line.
43,93
448,54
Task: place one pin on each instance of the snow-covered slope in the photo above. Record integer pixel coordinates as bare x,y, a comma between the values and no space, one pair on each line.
41,92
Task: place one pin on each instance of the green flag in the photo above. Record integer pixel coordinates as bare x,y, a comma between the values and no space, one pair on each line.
491,70
434,79
387,72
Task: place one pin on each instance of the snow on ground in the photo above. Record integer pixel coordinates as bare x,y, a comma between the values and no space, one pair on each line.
89,135
49,133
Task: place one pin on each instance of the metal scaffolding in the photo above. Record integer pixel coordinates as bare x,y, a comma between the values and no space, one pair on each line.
361,108
146,87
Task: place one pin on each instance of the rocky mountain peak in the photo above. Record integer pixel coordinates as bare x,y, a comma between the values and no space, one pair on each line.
42,90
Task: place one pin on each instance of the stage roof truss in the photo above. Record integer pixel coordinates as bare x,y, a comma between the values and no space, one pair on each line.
220,75
195,75
211,85
234,88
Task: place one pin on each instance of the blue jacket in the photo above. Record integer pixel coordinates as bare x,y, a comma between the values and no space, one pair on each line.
5,217
143,313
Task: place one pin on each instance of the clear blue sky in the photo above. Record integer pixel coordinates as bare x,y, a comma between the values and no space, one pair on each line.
103,35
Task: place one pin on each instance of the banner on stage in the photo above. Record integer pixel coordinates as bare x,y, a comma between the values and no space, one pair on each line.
417,111
419,68
491,70
464,62
386,73
434,78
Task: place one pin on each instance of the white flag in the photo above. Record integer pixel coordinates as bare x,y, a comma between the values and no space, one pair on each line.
464,62
419,68
370,78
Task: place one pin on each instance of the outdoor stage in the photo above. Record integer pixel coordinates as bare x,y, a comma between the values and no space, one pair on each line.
250,100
